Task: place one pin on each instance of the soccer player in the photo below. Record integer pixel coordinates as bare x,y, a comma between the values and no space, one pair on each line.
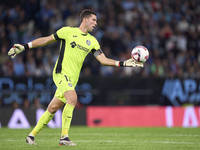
76,43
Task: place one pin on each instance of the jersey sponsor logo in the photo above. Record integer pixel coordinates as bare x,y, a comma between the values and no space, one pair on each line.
73,45
75,36
88,42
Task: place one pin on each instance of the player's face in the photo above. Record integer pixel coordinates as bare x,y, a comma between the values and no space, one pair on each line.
91,22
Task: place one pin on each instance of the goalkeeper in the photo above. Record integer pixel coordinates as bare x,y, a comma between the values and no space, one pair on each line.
76,43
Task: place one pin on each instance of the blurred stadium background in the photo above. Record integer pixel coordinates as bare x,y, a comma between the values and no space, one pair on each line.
166,92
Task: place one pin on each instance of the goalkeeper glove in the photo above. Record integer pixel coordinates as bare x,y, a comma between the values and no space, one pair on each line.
130,63
16,49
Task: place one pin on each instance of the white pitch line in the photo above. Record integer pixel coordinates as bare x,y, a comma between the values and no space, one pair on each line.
110,141
100,134
116,134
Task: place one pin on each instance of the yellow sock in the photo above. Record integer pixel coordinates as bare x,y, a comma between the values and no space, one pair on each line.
67,118
65,131
43,121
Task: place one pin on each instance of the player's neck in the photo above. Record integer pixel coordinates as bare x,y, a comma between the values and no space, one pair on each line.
83,29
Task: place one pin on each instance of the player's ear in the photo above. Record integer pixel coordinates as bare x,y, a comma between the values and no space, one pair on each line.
84,19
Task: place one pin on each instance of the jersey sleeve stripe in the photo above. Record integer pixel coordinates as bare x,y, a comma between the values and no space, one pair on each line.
56,36
61,56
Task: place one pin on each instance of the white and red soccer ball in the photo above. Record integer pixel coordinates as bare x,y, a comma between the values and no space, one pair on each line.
140,54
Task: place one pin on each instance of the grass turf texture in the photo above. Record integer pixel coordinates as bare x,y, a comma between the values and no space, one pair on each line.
105,139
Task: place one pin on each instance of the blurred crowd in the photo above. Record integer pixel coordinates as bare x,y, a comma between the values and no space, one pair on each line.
170,29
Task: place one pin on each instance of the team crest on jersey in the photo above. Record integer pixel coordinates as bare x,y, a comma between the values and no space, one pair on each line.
70,85
88,42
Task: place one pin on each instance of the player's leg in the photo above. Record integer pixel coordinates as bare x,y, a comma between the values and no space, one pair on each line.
66,93
71,99
54,105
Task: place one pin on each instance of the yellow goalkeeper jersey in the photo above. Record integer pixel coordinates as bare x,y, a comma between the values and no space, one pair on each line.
75,46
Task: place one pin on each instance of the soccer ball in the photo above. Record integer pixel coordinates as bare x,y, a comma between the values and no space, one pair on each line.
140,54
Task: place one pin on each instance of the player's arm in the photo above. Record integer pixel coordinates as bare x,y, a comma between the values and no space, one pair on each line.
110,62
41,41
18,48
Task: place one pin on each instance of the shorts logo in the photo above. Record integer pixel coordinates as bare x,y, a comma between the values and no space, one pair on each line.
70,85
88,42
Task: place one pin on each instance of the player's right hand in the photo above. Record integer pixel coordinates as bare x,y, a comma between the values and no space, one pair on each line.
16,49
132,63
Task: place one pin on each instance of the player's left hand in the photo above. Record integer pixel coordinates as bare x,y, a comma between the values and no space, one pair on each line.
16,49
132,63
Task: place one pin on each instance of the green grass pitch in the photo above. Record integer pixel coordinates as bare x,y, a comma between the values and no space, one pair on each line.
105,139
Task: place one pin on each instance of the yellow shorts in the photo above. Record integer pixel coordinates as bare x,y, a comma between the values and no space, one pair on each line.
63,84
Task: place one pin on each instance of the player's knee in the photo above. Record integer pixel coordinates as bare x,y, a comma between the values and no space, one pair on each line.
72,101
71,97
52,109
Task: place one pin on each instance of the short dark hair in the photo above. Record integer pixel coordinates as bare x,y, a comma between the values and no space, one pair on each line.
86,14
